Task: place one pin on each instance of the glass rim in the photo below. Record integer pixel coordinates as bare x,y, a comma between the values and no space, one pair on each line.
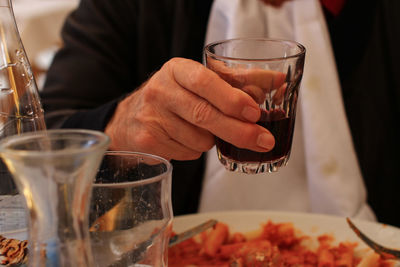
52,134
301,53
145,181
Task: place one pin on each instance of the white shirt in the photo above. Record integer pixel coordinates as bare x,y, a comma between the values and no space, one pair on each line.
322,175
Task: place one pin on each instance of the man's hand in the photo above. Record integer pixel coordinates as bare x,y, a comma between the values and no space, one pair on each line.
177,112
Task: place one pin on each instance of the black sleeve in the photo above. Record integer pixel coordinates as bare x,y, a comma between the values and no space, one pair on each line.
110,48
96,65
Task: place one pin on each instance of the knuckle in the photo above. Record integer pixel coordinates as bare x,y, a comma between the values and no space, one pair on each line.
144,139
170,64
202,112
149,95
236,101
236,98
151,90
174,60
200,77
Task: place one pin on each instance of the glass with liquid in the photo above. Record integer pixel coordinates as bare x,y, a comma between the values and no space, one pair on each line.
270,71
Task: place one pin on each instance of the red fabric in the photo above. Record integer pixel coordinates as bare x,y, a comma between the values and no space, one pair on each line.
333,6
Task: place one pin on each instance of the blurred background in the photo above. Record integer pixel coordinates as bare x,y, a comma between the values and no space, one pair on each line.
39,23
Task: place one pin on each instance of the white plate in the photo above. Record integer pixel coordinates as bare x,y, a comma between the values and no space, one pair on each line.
309,224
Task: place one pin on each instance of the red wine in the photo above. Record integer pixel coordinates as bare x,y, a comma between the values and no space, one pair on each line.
282,129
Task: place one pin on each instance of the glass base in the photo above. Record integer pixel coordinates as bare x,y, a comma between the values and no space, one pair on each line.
252,167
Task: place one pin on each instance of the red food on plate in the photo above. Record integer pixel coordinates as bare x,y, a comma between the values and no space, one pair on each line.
275,244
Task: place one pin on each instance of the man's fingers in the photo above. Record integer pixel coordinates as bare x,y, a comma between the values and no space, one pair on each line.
164,147
177,113
205,83
242,134
187,134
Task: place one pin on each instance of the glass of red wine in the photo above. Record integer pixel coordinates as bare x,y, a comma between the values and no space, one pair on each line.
270,71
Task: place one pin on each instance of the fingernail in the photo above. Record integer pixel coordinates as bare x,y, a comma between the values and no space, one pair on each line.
251,114
266,141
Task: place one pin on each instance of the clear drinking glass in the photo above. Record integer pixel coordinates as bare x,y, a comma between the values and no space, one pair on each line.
55,170
270,71
131,212
20,110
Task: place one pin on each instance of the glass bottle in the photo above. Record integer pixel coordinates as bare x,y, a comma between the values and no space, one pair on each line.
20,110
